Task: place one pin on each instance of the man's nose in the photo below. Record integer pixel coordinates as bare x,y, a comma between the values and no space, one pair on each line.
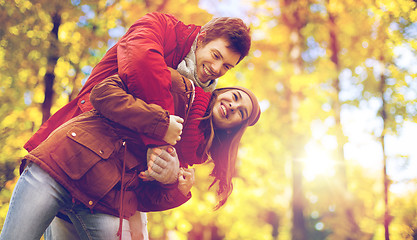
217,66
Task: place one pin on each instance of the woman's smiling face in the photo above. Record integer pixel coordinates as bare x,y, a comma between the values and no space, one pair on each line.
231,109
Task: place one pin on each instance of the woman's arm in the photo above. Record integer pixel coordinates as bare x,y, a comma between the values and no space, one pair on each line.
111,99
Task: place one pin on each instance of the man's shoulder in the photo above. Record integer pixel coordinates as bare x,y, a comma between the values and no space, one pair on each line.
162,16
169,18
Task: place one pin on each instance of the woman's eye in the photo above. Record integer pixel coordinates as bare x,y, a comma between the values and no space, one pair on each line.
234,96
241,114
215,56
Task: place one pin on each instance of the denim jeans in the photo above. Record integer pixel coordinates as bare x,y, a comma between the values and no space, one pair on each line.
60,229
36,200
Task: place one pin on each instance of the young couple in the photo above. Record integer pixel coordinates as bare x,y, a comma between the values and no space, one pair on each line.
104,164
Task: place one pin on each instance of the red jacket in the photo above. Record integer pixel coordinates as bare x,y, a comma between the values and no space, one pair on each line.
141,58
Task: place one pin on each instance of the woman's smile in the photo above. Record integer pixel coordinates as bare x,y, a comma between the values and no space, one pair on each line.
223,110
231,108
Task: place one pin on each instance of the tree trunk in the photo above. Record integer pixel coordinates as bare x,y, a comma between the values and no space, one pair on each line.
336,104
299,231
387,218
49,78
273,219
293,16
382,36
341,177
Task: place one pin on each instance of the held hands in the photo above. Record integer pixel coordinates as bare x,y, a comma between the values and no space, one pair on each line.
186,180
173,134
163,165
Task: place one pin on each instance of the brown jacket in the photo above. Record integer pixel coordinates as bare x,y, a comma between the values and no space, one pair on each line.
86,153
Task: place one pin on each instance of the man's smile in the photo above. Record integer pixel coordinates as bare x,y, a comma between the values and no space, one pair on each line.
207,71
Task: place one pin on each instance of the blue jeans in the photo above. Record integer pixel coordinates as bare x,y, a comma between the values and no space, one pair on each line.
60,229
36,200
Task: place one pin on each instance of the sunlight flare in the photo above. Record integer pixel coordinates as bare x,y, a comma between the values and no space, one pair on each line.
317,162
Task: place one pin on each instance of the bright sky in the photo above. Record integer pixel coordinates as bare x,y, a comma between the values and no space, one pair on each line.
229,8
367,151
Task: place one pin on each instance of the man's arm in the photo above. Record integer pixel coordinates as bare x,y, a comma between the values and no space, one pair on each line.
154,196
141,63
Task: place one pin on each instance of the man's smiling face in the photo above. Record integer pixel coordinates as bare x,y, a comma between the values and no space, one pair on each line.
214,59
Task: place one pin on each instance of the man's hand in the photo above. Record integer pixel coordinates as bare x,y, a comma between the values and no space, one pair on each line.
173,134
186,180
163,165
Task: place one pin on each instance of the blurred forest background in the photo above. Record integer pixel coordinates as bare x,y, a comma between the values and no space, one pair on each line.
333,155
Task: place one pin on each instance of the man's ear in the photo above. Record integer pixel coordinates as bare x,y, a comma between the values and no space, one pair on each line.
200,38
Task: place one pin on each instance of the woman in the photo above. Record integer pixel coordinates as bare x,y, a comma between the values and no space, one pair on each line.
88,168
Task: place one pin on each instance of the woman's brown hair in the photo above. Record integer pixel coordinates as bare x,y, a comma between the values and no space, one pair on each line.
222,145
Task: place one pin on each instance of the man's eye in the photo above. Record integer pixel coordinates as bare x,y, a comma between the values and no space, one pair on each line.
241,114
234,96
215,56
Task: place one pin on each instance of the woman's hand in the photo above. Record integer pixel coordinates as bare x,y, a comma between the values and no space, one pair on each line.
173,134
186,180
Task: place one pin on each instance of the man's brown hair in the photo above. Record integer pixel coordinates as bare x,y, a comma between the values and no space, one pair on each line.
234,30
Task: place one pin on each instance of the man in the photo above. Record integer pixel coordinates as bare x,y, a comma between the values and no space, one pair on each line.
141,57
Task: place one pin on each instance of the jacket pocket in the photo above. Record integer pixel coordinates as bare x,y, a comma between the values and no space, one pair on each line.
80,151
